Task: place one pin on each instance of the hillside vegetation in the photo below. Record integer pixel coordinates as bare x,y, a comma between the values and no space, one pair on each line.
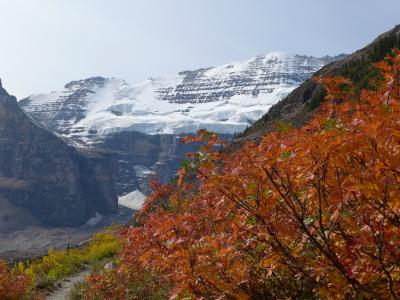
308,213
362,72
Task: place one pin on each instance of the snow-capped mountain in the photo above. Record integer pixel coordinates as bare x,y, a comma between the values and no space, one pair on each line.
225,99
138,125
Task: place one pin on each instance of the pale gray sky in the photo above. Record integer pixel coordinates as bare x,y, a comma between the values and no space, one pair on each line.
47,43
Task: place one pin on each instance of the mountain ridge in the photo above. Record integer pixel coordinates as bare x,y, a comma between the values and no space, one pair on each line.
225,99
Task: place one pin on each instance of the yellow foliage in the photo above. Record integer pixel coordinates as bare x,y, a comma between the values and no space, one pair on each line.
59,264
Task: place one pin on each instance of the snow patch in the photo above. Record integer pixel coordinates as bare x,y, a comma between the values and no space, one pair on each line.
133,200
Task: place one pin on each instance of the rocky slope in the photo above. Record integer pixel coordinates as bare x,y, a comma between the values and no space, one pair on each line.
142,157
225,99
303,102
44,178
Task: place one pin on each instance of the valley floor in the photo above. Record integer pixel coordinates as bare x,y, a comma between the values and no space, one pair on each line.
35,242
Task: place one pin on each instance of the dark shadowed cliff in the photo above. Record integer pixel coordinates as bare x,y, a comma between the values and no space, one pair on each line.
43,178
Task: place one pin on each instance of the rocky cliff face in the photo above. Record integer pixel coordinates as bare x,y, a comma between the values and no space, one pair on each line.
260,75
142,157
42,175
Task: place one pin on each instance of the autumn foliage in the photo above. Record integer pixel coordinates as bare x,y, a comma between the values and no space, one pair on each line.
311,213
14,284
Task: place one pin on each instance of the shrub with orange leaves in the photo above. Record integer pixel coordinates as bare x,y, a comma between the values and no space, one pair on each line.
14,284
307,213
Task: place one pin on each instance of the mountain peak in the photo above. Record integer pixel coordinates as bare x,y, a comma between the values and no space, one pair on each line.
88,83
